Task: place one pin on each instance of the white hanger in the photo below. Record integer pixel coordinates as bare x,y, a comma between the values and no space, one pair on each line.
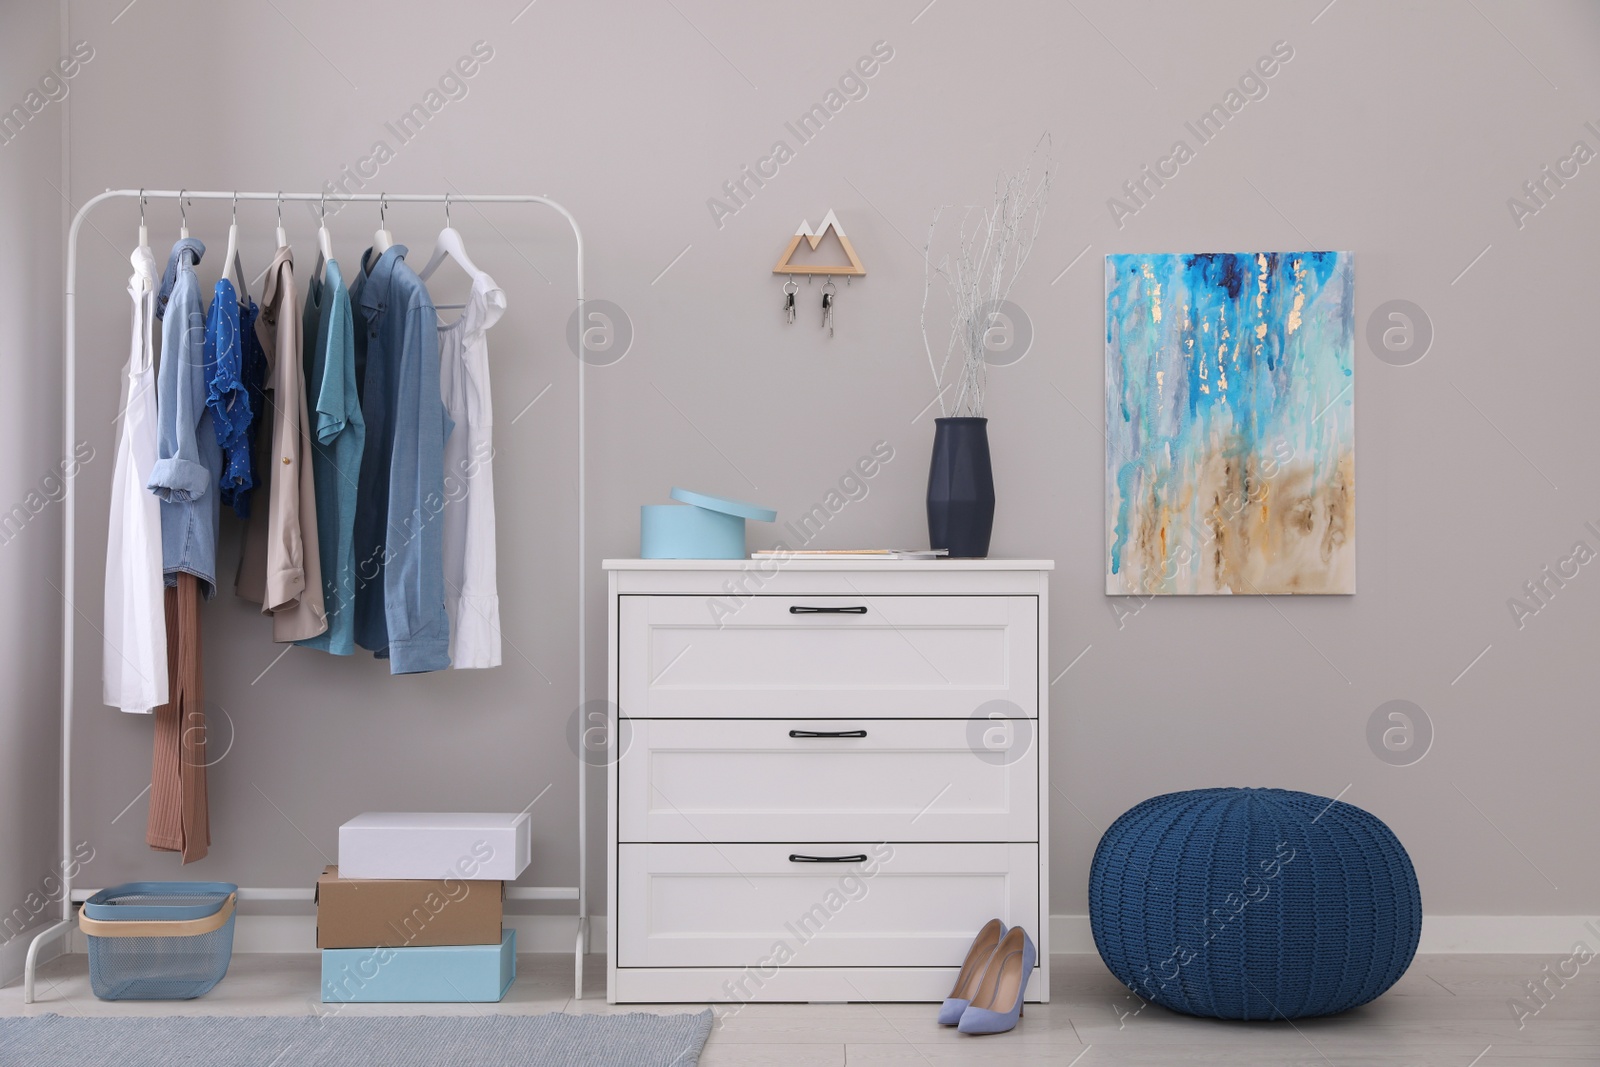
283,238
144,231
451,246
283,242
148,283
230,259
183,214
324,241
383,239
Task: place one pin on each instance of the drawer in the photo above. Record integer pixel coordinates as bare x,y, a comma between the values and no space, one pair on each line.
819,657
756,780
907,905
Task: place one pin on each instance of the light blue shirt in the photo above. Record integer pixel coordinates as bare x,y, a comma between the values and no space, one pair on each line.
188,458
338,434
399,548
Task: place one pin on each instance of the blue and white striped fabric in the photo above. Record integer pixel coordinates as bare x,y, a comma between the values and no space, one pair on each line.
635,1039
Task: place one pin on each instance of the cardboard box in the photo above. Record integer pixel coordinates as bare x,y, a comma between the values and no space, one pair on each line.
402,913
438,975
436,845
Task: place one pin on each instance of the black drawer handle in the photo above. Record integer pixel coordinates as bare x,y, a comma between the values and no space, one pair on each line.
827,733
802,609
795,857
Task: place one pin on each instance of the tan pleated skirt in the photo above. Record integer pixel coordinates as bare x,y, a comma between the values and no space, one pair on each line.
178,817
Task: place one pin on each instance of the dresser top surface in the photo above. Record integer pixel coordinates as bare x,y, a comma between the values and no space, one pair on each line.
856,564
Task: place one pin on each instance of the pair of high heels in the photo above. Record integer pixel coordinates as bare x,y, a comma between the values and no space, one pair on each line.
987,998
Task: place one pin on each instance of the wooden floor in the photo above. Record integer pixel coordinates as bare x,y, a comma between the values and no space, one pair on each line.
1448,1011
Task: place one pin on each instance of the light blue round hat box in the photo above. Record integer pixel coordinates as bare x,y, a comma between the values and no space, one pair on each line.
700,527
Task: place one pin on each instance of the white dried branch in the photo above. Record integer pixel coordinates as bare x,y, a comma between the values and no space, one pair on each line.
989,256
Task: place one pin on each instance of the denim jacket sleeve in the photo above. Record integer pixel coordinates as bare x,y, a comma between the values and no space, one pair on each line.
419,627
180,475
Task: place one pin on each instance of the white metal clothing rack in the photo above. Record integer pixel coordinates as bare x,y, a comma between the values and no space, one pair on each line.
69,895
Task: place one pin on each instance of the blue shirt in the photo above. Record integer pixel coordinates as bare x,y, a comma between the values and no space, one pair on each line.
399,549
188,459
254,373
226,396
338,433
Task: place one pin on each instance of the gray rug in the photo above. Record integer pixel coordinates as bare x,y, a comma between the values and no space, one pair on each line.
637,1039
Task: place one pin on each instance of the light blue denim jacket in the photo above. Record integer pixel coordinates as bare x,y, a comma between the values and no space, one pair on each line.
188,459
399,548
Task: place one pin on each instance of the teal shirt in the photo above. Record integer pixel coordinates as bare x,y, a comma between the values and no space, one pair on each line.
340,436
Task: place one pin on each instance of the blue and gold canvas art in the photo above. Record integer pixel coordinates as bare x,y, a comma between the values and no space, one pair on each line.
1230,423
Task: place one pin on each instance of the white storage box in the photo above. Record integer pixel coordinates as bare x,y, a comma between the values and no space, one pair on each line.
465,845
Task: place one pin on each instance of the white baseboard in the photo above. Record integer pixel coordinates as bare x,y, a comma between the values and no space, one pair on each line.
1070,933
1508,933
1492,934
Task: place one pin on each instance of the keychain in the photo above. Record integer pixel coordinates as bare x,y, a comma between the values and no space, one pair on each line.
788,299
828,292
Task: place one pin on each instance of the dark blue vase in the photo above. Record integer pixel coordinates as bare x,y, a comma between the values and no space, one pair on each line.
961,488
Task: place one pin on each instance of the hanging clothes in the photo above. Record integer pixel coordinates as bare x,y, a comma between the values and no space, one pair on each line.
187,468
280,565
339,435
254,374
188,459
400,597
469,553
227,396
179,818
134,662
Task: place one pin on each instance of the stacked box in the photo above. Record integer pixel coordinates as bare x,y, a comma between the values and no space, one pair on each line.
429,975
414,911
406,912
388,844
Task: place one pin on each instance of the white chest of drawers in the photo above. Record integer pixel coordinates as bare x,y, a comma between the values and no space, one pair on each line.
824,776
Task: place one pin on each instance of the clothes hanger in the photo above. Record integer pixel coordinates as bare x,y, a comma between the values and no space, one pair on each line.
230,259
144,231
450,245
148,284
283,242
184,204
383,240
283,238
324,241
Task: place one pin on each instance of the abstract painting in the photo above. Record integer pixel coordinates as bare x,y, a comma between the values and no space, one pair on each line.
1230,423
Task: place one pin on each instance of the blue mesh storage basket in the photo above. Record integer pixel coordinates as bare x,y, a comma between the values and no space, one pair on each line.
1253,903
159,940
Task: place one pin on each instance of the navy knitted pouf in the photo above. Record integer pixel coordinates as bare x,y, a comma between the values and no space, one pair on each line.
1253,903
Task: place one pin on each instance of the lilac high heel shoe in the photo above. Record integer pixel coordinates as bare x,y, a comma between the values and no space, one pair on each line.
971,972
997,1004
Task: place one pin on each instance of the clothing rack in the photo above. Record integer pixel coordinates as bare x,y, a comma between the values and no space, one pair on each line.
69,896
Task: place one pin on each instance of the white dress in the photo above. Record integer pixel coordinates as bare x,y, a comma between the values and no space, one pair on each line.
135,660
471,596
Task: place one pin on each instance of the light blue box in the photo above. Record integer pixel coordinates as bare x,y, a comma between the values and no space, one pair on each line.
700,527
683,531
444,974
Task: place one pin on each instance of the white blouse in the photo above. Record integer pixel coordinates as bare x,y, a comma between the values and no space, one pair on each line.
135,659
471,596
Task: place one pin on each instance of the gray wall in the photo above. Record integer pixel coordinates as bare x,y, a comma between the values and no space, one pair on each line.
1397,131
30,453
